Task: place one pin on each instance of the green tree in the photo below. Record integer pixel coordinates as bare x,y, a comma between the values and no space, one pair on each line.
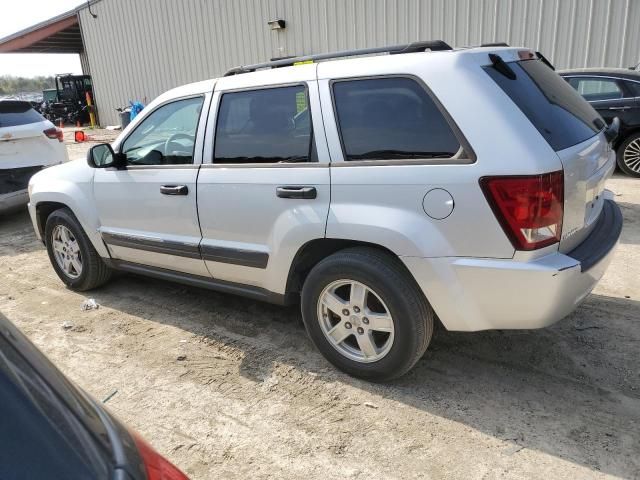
10,85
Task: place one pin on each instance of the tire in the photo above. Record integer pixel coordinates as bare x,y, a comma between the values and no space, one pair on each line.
93,272
389,288
628,155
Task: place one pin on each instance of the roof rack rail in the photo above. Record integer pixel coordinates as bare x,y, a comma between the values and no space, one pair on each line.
433,45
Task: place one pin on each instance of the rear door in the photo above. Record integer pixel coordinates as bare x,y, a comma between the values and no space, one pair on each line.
574,130
263,189
147,211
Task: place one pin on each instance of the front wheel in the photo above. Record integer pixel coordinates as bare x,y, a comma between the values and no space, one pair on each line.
629,155
366,314
71,253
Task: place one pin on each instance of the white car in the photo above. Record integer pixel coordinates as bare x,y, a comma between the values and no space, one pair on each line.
381,192
28,143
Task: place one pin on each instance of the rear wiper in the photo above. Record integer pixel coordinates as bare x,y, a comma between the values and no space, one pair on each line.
501,66
398,154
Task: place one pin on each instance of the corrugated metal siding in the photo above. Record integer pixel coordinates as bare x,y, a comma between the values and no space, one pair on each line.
138,49
84,63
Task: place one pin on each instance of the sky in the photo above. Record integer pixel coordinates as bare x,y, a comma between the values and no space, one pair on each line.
20,14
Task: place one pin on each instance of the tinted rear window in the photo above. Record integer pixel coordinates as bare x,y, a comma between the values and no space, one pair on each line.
14,113
559,113
269,125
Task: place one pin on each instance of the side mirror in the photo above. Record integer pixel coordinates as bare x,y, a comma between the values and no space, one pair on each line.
103,156
611,132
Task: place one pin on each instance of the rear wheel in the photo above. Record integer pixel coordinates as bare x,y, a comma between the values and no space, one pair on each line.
71,253
365,314
629,155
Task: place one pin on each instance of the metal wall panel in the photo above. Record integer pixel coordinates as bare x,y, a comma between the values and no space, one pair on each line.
139,48
84,63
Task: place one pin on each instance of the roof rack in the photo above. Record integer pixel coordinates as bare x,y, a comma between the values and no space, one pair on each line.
495,44
433,45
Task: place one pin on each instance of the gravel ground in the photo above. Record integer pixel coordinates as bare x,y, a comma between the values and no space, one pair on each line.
231,388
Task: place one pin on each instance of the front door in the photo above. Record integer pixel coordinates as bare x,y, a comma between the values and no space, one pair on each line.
263,189
148,211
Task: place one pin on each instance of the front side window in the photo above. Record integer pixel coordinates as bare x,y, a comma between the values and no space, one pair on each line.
271,125
391,119
167,136
597,88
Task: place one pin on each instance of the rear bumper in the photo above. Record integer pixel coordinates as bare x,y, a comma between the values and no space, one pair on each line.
14,200
470,294
13,187
16,179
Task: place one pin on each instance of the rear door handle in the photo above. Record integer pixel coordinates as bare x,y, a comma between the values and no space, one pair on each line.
619,108
174,190
295,191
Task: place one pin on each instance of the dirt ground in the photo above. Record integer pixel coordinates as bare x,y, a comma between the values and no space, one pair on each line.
231,388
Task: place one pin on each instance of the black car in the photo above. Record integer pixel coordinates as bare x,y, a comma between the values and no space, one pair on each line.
51,429
614,92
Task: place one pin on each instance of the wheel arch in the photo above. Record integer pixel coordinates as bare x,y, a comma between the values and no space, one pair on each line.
43,210
46,206
312,252
627,133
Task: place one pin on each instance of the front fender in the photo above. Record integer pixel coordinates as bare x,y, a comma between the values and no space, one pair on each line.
72,186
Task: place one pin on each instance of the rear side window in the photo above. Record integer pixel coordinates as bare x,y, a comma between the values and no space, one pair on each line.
15,113
557,111
269,125
597,88
389,119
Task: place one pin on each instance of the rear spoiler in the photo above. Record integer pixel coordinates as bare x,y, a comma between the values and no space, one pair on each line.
540,56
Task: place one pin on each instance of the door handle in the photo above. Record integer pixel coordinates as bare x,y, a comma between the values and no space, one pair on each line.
294,191
174,190
619,108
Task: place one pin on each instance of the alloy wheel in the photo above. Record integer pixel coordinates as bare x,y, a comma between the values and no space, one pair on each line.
355,321
66,251
631,155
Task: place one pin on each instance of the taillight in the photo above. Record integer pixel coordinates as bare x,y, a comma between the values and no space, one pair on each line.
157,467
529,208
53,133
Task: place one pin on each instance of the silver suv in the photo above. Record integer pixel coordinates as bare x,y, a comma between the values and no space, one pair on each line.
382,192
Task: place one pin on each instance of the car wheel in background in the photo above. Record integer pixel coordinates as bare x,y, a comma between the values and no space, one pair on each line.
70,251
629,155
366,314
